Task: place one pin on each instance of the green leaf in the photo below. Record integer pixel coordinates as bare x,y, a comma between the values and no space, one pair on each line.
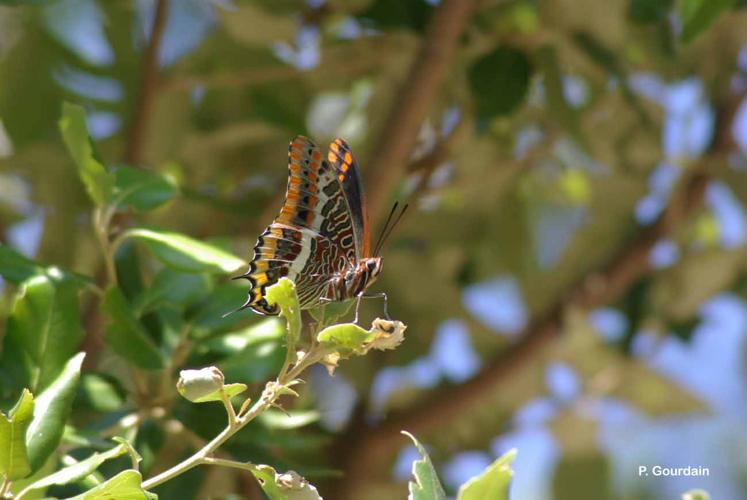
15,267
208,315
251,354
492,483
186,254
266,477
397,14
345,337
426,485
126,335
274,419
45,322
173,288
101,393
696,494
97,180
14,460
124,486
649,11
499,81
283,294
80,470
231,390
142,190
698,15
51,412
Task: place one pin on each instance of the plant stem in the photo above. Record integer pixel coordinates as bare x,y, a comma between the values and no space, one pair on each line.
229,463
273,391
5,487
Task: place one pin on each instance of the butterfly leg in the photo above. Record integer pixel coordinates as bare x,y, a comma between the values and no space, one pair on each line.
357,306
379,295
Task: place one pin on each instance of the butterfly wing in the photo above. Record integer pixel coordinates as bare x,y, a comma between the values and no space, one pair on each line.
340,156
304,242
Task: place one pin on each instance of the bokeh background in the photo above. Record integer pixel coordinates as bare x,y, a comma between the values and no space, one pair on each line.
572,269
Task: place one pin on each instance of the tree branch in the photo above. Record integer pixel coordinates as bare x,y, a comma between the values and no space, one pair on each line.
400,131
366,448
148,85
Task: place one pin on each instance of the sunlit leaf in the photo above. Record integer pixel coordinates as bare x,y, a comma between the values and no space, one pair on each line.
696,494
79,470
492,483
343,337
14,460
187,254
124,333
97,180
290,420
426,485
283,294
51,412
124,486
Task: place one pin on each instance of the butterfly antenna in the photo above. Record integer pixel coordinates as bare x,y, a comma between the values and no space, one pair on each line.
377,246
390,228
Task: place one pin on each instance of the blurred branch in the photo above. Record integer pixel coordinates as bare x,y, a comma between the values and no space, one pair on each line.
400,130
148,85
370,446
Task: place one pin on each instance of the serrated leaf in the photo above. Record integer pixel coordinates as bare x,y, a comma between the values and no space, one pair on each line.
492,483
283,294
142,190
97,180
698,15
51,412
186,254
124,486
78,471
499,81
126,335
426,486
45,322
14,460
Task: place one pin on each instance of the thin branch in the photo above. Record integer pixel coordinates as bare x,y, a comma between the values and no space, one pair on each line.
400,130
148,85
370,446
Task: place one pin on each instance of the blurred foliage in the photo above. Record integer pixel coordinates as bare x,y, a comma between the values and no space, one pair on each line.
561,130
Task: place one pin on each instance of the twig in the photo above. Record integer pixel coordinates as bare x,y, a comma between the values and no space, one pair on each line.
148,85
371,445
400,130
269,398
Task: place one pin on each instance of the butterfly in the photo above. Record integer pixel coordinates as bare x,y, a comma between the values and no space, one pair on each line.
321,239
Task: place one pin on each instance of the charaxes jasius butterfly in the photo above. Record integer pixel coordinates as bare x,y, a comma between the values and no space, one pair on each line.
321,238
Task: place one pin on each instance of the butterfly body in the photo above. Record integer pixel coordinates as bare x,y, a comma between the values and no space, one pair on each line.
321,238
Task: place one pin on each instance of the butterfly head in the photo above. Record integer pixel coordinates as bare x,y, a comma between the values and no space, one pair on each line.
360,276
